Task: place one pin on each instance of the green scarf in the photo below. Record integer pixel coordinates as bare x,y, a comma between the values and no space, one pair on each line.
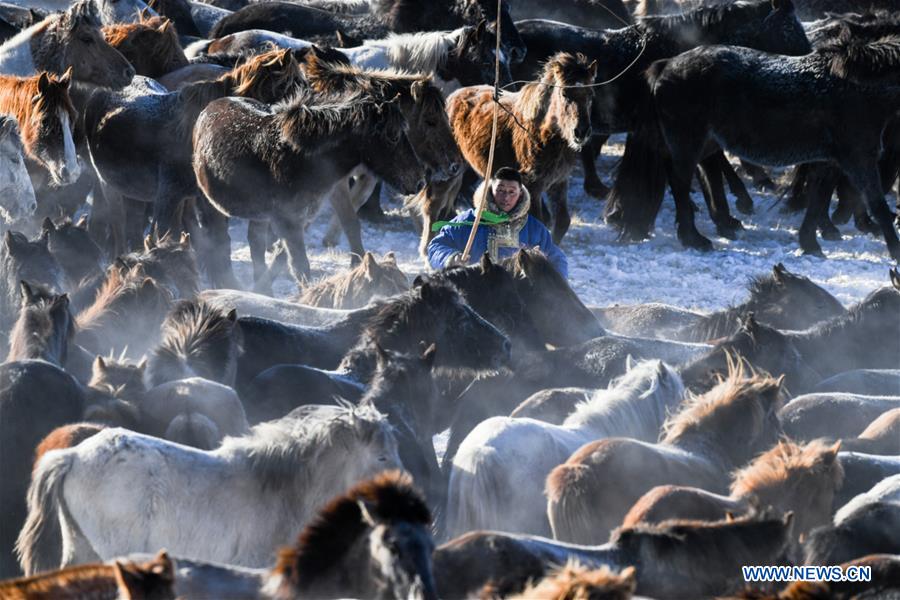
487,218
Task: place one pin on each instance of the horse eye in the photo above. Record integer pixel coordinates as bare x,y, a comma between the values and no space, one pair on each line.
87,40
431,123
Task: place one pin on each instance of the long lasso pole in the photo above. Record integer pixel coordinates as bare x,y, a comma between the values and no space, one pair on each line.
482,202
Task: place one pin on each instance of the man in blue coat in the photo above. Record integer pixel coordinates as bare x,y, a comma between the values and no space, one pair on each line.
505,227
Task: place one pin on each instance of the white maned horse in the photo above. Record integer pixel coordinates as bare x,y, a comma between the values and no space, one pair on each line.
17,200
121,492
497,476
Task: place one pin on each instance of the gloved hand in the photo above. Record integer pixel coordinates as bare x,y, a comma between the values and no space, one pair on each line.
455,260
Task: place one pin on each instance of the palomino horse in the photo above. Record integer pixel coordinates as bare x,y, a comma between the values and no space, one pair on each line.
151,45
155,167
16,191
692,452
68,39
46,119
541,129
515,455
788,478
300,461
294,154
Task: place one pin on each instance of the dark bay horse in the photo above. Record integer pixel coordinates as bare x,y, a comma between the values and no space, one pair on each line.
539,133
140,143
44,328
151,46
623,104
294,153
697,95
46,117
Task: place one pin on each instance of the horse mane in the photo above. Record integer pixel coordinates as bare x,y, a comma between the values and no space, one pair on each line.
388,497
55,28
119,288
81,581
573,581
864,60
423,52
154,37
726,14
345,287
262,77
407,310
17,99
738,387
280,450
313,123
563,68
874,302
190,329
784,462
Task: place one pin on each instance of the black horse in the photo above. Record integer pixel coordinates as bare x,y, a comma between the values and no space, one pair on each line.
832,105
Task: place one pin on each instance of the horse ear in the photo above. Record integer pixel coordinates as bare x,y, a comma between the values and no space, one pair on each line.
27,292
425,291
419,281
729,516
522,260
142,366
417,89
99,366
47,225
149,244
232,315
60,302
185,240
121,265
365,514
163,566
370,265
830,455
785,5
43,84
630,363
778,272
82,223
480,28
66,78
390,258
381,356
749,324
788,519
895,279
486,264
428,355
629,576
593,69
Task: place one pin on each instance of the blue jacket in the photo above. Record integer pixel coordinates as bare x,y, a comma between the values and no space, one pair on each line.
452,239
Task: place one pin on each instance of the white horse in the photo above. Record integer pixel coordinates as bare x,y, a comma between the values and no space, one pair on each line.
17,200
122,492
887,490
498,474
110,11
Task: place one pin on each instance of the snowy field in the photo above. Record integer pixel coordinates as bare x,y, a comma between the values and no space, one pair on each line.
604,272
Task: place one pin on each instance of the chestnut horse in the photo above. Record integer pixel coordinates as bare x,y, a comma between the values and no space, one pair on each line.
46,119
541,129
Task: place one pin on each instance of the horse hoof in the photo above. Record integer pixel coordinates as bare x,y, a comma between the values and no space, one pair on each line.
832,234
817,252
728,232
596,189
696,241
745,207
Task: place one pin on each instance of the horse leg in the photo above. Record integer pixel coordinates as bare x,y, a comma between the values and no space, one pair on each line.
851,202
291,231
112,218
437,197
371,209
867,180
819,189
257,238
558,194
758,176
214,246
637,193
744,202
680,181
346,214
726,225
593,187
135,219
167,204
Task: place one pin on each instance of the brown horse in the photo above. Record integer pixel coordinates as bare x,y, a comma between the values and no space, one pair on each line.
789,478
66,436
882,436
151,46
541,129
122,580
278,164
155,167
374,541
358,286
63,40
126,313
46,118
695,451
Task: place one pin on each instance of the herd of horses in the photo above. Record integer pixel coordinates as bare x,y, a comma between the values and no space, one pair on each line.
165,433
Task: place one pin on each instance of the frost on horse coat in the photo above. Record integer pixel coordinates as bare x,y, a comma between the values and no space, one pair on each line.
121,492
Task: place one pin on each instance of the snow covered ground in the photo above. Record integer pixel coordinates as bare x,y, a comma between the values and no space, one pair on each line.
605,272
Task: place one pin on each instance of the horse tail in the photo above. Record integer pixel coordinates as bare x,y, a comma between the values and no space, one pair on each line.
640,183
569,503
472,495
194,429
38,545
